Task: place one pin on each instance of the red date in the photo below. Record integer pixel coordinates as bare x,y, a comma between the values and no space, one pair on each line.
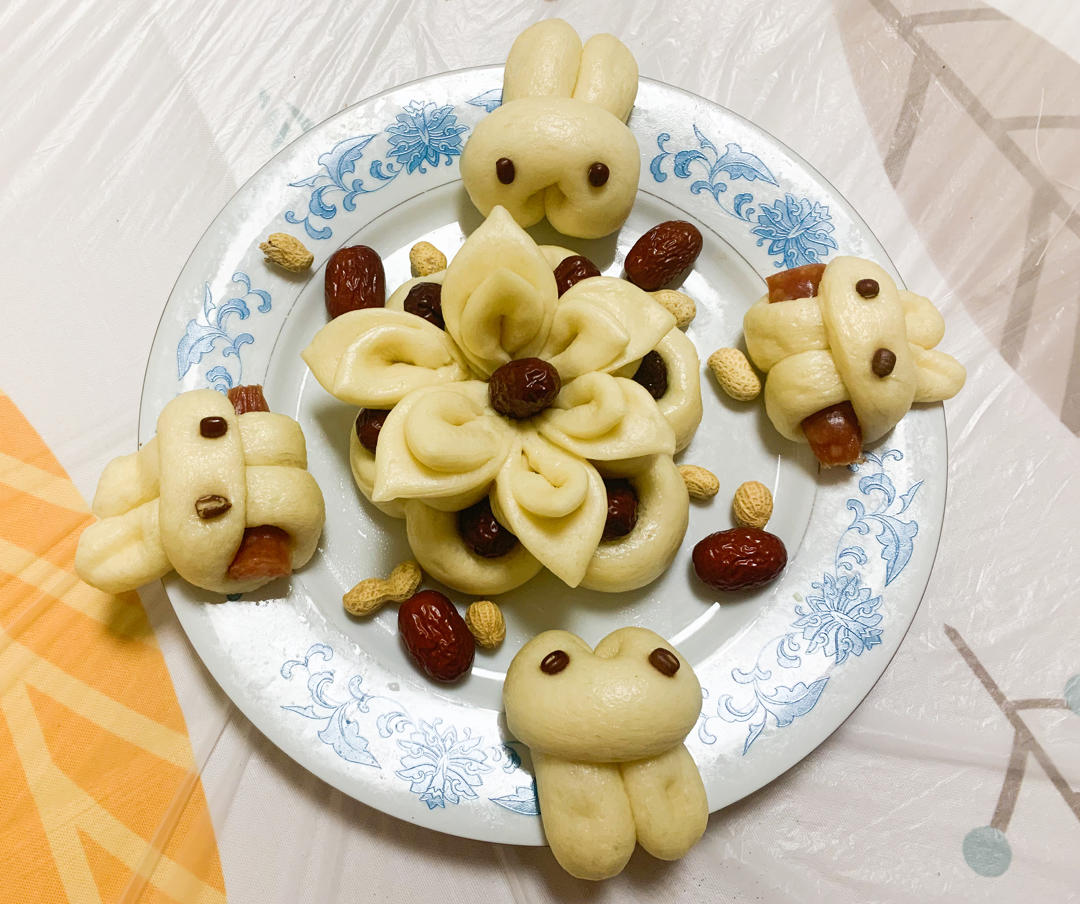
354,280
436,636
739,559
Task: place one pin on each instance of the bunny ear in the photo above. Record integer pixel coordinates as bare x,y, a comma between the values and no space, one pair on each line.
608,75
543,62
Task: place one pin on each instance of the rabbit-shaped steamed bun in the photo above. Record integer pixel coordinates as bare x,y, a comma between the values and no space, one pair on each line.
559,145
605,729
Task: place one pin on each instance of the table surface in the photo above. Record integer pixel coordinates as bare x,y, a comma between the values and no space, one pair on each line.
951,126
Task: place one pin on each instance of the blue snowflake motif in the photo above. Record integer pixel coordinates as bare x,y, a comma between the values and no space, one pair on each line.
425,133
798,230
440,766
842,619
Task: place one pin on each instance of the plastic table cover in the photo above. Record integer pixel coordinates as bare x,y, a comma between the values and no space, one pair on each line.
951,126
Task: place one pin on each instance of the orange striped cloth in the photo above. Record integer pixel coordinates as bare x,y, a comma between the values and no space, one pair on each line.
100,799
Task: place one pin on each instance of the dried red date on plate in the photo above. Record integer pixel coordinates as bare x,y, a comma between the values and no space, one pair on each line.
663,255
834,435
354,280
798,282
436,636
739,559
248,398
265,552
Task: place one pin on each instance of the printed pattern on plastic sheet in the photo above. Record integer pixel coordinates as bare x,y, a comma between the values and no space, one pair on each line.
986,848
925,75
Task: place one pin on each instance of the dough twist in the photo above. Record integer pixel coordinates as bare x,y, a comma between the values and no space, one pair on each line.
185,499
820,351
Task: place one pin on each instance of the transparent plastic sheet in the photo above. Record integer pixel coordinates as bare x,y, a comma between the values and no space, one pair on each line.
953,131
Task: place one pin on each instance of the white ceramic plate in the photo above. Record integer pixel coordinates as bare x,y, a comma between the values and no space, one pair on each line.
781,668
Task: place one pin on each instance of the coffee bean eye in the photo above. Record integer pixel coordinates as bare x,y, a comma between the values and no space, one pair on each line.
554,662
664,661
598,174
504,170
867,288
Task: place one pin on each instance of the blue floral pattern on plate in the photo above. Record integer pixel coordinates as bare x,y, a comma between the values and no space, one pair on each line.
423,134
798,230
837,619
208,333
441,763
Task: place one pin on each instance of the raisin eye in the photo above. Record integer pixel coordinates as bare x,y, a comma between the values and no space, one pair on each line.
664,661
867,288
598,174
883,362
554,662
504,170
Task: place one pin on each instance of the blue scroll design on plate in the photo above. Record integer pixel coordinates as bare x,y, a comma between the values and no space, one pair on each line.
798,230
441,763
838,618
209,334
423,134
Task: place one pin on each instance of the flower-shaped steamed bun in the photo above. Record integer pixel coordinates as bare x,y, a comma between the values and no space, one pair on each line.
444,448
558,146
605,729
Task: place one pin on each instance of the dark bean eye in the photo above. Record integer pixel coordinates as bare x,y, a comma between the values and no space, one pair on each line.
867,288
213,427
554,662
598,174
664,661
883,362
504,170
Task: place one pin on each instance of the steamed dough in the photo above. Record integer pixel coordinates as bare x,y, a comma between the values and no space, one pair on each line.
374,357
817,351
443,448
606,739
644,554
564,108
146,501
440,551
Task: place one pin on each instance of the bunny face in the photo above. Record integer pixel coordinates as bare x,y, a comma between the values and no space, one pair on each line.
632,697
559,146
820,351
